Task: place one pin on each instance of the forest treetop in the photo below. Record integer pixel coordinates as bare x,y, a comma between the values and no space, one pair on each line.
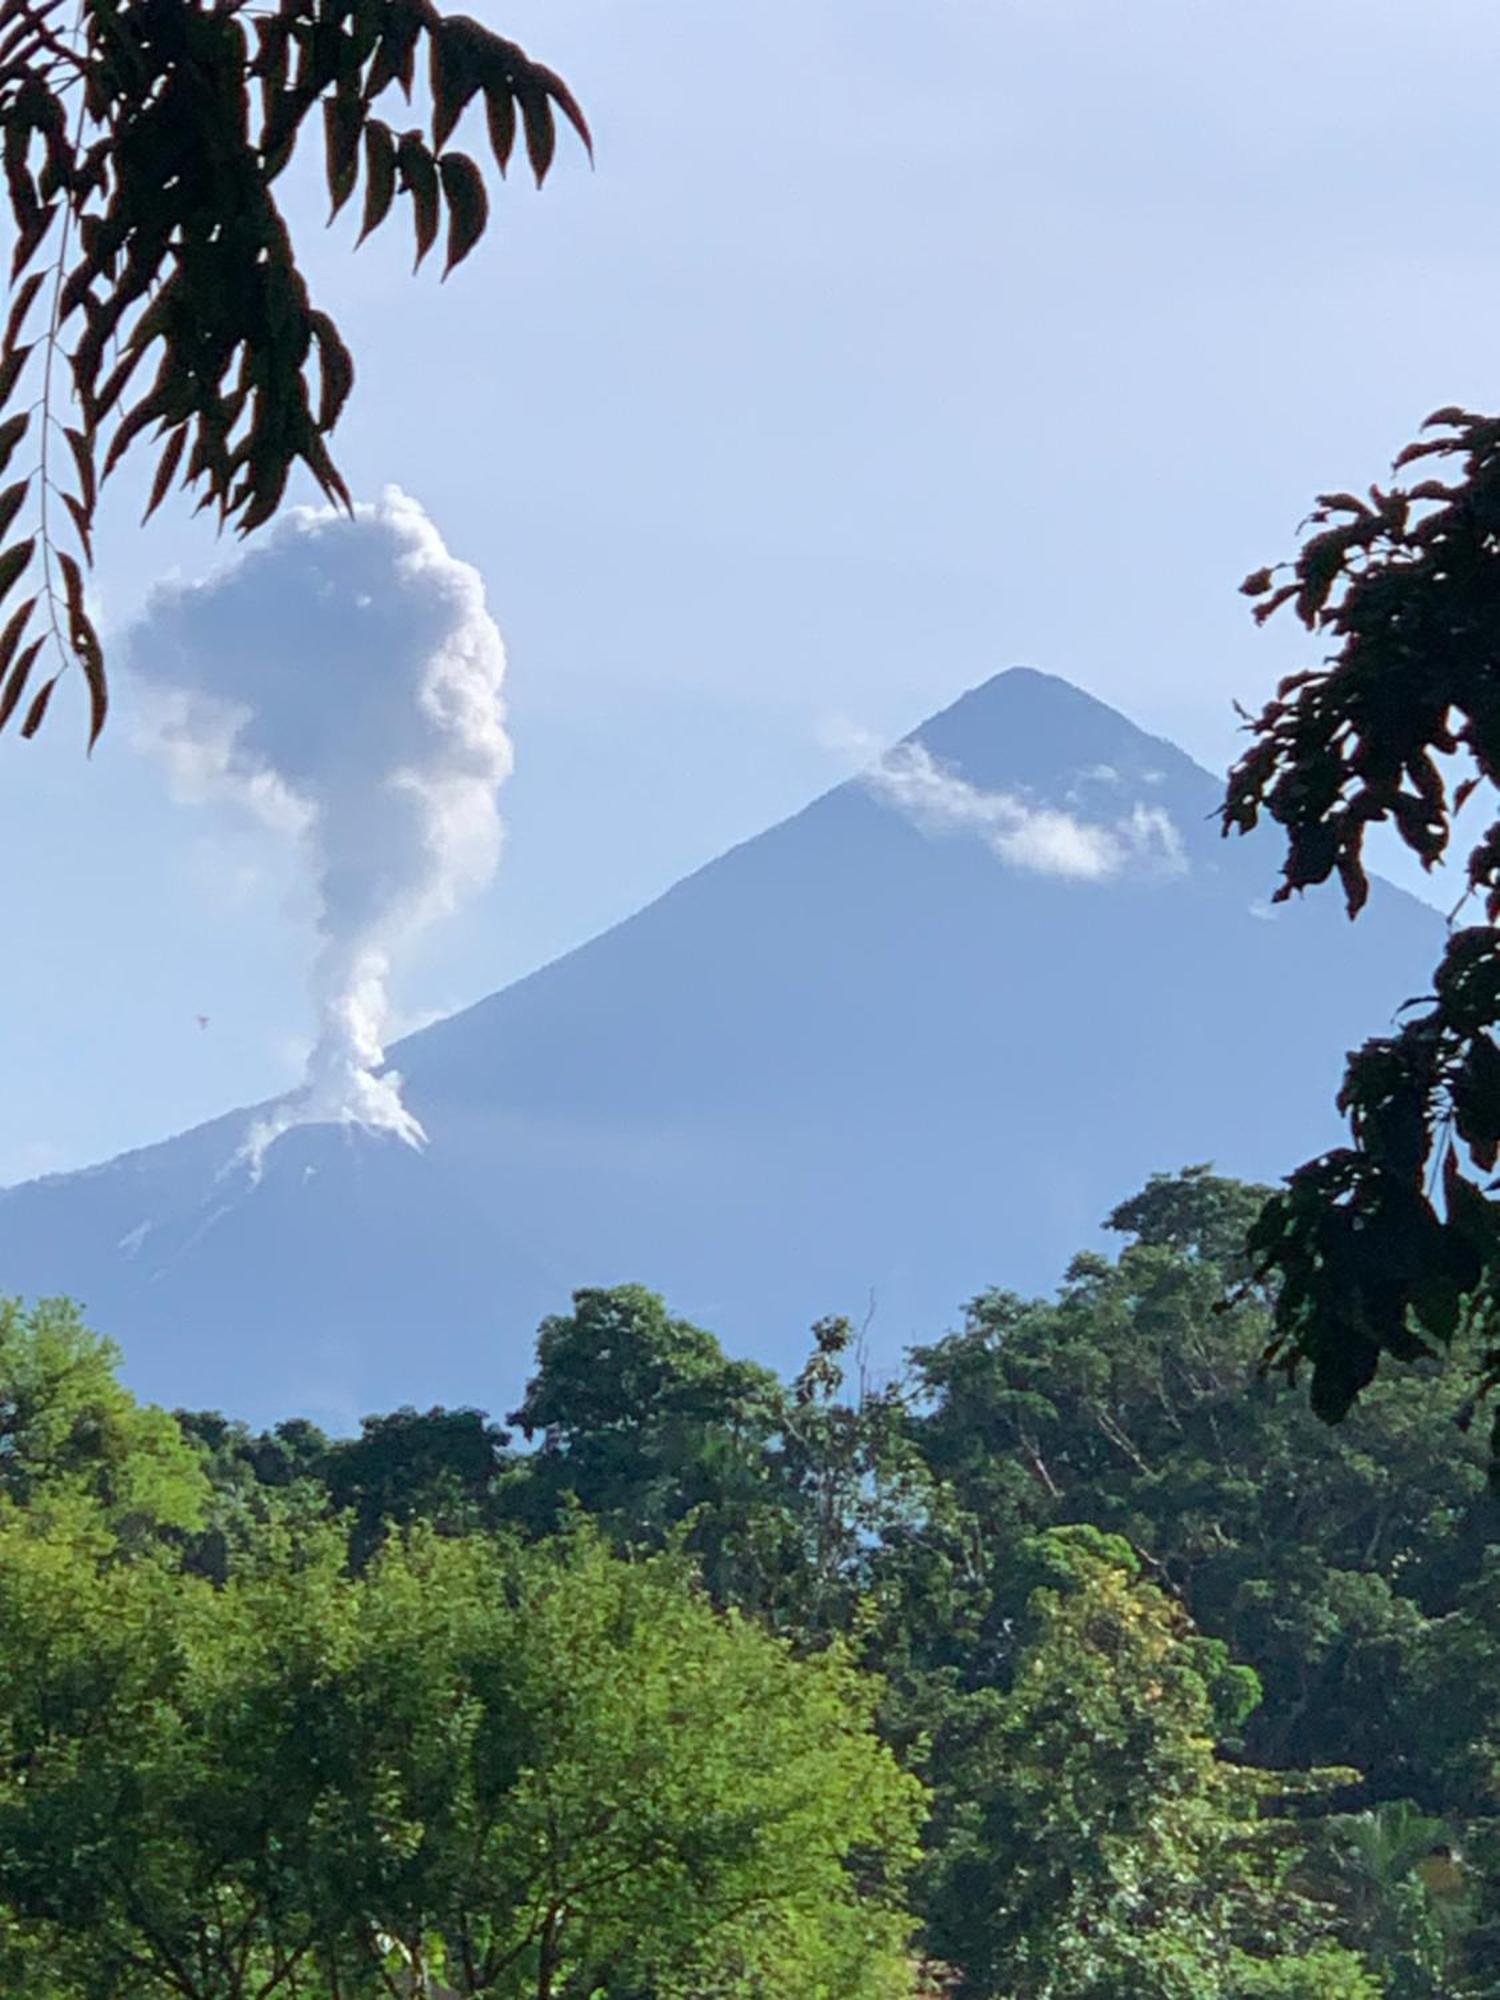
1197,1686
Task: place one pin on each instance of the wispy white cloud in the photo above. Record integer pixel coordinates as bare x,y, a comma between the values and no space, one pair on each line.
1025,833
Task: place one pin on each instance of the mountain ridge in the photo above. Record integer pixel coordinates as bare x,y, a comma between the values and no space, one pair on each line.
857,1051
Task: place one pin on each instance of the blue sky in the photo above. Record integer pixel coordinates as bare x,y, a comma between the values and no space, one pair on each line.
889,345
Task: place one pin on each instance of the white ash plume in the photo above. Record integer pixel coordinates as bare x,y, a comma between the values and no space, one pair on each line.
341,683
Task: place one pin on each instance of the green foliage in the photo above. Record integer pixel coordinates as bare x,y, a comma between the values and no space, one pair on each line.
619,1376
1123,1425
1368,1262
642,1420
1100,1847
141,147
1202,1692
529,1772
1327,1972
70,1431
444,1467
1317,1557
1391,1874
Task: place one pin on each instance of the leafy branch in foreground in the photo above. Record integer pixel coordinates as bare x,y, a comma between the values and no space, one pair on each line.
141,148
1388,1246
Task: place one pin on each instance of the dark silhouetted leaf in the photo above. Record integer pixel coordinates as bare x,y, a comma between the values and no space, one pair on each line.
91,659
14,684
83,459
29,238
337,368
380,175
11,433
343,120
15,629
10,503
500,115
420,179
538,124
13,564
457,49
261,504
72,577
468,205
10,371
38,708
565,101
395,59
166,467
24,300
83,523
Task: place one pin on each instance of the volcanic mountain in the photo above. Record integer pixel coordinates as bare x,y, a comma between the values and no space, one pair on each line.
916,1040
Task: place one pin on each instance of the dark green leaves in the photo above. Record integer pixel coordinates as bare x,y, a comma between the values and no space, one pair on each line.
190,319
1401,587
1475,1094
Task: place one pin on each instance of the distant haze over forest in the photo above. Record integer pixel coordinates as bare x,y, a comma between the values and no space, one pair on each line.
916,1040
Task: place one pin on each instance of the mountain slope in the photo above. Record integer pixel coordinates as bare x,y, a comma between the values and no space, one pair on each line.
857,1059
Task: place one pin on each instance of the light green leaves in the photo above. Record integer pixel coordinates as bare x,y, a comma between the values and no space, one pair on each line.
530,1769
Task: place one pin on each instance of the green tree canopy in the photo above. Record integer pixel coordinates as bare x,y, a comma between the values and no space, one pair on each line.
531,1772
1100,1848
1132,1403
70,1429
643,1420
1114,1446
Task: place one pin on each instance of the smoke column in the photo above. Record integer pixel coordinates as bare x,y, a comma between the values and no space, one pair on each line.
342,684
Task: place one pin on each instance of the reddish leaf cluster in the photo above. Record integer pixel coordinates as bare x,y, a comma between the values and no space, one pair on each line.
145,145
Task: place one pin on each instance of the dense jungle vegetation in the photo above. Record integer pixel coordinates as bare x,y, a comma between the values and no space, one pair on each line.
1080,1662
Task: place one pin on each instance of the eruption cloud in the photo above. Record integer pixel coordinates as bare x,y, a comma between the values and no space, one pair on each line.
341,683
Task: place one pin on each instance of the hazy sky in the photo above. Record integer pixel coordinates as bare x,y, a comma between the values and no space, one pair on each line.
889,345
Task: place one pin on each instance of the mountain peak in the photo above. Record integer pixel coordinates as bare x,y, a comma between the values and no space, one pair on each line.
853,1058
1022,729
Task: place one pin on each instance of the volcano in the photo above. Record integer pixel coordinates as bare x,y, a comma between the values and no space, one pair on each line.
889,1052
